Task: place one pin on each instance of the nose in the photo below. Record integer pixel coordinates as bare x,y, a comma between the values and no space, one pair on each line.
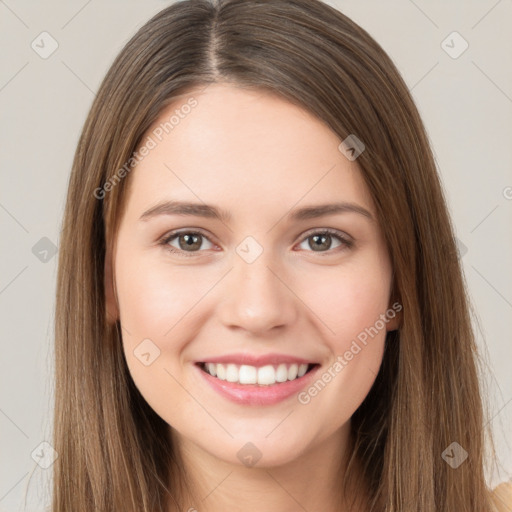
257,297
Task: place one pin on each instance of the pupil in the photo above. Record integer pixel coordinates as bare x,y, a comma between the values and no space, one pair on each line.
190,240
323,239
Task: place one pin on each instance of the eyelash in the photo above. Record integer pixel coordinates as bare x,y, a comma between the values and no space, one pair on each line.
345,241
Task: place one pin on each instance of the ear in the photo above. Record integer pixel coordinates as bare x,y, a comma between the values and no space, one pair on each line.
111,306
394,323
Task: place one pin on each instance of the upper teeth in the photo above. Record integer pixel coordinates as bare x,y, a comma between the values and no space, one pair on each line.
264,375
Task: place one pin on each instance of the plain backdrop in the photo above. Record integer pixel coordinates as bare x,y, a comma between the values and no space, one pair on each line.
464,97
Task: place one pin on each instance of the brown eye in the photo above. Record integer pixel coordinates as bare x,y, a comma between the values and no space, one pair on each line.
187,242
322,241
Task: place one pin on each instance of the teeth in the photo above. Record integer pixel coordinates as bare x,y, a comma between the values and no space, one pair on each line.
221,372
302,370
282,373
212,369
231,373
264,375
247,375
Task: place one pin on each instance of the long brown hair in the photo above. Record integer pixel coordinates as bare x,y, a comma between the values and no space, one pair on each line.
114,450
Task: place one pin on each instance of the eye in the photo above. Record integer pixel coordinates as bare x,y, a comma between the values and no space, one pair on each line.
321,241
188,242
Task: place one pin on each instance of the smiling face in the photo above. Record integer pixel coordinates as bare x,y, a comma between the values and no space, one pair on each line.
251,274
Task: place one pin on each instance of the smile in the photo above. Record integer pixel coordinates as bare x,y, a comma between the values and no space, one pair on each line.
264,385
267,375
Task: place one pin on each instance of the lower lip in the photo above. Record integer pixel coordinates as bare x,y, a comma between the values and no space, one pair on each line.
253,394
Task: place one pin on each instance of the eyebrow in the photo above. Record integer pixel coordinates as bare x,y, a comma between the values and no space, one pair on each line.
212,212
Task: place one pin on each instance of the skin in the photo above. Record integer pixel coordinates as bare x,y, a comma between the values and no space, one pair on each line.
258,157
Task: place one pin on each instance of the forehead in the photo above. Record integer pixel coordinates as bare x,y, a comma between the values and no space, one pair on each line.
246,149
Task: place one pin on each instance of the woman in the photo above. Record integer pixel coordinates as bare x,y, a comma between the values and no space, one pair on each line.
261,306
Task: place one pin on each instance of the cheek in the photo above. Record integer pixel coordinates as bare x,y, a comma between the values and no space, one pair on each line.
350,300
350,303
154,298
156,304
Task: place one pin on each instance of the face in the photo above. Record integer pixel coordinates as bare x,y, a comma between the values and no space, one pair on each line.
254,273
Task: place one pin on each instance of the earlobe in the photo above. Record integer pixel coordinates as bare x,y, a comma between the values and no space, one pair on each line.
111,306
394,323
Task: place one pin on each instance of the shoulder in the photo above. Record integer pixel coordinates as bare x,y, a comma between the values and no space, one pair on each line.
502,497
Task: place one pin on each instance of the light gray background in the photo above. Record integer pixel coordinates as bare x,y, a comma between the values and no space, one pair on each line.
466,104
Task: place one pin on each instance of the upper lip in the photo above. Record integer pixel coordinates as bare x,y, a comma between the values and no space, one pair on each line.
256,360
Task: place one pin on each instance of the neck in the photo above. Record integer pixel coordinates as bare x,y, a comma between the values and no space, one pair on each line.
312,481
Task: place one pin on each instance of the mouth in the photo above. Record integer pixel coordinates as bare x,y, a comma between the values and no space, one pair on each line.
267,375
